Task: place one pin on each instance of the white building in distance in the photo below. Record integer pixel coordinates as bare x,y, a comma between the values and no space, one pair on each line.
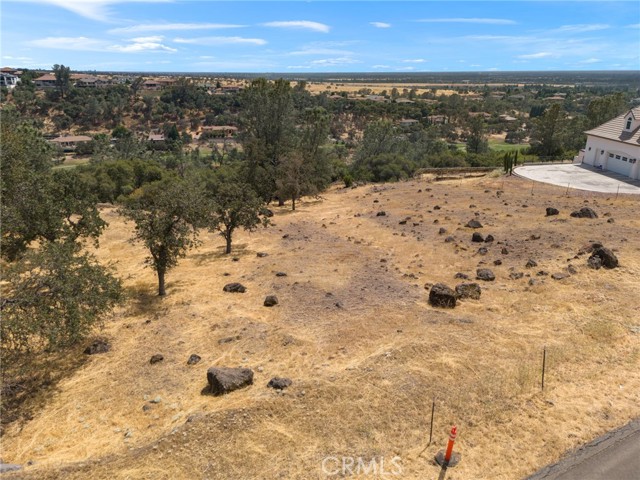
615,145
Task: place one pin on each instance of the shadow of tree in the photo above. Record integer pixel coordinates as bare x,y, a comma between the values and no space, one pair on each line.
30,378
237,250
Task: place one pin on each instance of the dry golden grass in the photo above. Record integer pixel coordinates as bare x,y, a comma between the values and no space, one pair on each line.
364,373
376,88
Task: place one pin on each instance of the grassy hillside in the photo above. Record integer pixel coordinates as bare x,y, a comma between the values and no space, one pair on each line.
366,352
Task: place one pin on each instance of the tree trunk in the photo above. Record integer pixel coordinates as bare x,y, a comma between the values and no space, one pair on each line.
280,202
227,237
161,290
293,202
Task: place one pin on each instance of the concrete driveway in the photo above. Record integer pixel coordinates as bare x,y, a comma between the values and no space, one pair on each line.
581,177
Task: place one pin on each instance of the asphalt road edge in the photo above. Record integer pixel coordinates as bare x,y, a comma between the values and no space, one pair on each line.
573,458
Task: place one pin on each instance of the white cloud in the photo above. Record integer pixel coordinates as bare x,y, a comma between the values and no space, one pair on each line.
156,38
380,24
380,66
209,41
141,44
93,9
536,55
300,24
489,21
590,60
320,51
165,27
336,61
414,60
580,28
70,43
298,67
635,25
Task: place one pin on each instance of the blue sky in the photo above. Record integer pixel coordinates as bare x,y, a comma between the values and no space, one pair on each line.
329,36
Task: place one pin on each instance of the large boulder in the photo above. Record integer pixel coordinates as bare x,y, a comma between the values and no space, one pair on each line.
606,257
234,288
474,224
442,296
552,211
468,290
223,380
584,212
485,274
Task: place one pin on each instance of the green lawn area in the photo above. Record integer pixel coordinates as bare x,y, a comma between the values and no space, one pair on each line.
73,161
499,146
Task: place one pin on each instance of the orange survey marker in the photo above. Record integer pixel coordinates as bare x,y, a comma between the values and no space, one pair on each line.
452,438
449,458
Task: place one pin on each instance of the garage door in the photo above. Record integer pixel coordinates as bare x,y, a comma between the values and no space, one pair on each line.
619,164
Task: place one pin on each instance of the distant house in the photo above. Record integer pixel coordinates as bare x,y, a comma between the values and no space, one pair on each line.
437,119
377,98
8,80
404,100
220,130
484,115
156,137
408,122
84,81
508,118
615,145
48,80
555,98
70,142
151,85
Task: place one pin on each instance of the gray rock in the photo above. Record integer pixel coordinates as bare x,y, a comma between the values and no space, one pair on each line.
234,287
381,214
594,262
606,256
477,237
461,275
468,290
223,380
193,359
9,467
449,239
156,358
485,274
474,224
442,296
270,301
531,263
279,383
281,274
489,239
262,254
584,212
559,276
442,231
552,211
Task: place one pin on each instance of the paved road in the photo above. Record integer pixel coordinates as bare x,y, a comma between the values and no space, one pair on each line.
614,456
580,177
